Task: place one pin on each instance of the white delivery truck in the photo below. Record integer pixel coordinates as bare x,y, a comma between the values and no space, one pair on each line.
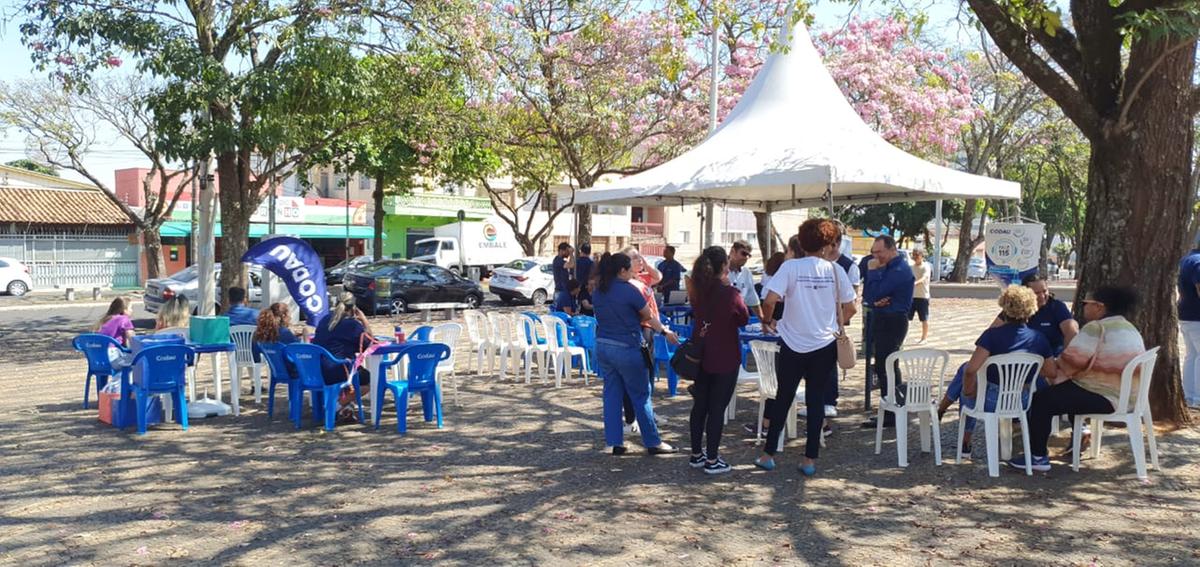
461,246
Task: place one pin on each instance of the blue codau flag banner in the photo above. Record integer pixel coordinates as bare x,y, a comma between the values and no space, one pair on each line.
294,261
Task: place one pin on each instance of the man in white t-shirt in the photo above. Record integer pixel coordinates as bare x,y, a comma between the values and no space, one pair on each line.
741,278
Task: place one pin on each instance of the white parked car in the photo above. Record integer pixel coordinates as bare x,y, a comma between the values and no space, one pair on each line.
526,279
976,269
14,277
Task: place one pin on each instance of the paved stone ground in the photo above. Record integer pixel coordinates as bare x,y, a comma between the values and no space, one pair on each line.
517,477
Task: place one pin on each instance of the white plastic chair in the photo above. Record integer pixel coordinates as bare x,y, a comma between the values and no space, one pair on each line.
447,334
559,352
923,370
744,377
242,337
1135,414
1013,369
505,329
524,344
768,384
479,332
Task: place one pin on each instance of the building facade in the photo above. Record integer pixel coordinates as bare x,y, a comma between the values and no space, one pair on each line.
69,234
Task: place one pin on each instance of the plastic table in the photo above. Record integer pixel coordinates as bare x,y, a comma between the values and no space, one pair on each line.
677,314
215,350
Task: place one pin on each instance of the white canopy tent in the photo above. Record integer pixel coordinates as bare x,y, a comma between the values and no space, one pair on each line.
792,137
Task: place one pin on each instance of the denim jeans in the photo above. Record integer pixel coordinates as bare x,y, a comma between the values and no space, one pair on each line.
1191,362
954,392
624,372
888,336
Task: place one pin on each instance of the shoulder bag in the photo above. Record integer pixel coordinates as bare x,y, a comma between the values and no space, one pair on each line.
686,360
847,353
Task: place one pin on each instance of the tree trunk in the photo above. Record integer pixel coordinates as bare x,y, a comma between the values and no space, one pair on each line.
965,245
762,222
236,209
528,247
1136,215
583,229
156,266
377,197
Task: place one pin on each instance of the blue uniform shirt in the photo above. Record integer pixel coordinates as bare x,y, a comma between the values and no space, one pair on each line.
895,281
561,275
671,270
1048,321
617,313
1189,276
583,270
1011,337
241,315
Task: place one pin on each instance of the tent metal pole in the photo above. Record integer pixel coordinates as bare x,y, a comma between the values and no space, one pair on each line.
770,234
937,241
829,194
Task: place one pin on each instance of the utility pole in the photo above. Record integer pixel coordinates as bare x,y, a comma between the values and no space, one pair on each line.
709,237
192,205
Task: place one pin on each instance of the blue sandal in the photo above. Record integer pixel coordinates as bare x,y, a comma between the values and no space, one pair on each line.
769,465
807,470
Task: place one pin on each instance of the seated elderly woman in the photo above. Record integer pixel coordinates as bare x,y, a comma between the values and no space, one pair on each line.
1087,377
1017,305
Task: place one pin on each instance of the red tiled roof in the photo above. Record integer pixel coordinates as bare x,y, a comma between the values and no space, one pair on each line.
58,206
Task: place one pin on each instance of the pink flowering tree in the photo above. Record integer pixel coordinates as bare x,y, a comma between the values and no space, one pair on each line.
916,98
570,91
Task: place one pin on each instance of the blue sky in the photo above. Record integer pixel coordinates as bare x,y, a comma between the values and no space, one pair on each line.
114,153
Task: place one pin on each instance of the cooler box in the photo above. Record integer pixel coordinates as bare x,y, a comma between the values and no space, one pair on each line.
141,342
209,330
123,413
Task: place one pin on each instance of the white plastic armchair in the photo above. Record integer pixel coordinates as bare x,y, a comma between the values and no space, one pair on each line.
768,385
448,334
479,332
242,337
923,370
1134,412
1012,402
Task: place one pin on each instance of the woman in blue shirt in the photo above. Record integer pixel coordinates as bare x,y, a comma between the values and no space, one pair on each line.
1017,305
344,334
620,311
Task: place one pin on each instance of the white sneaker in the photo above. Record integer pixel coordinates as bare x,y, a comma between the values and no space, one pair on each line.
831,411
631,428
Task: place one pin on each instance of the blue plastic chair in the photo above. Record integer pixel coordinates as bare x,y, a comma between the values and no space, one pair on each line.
307,360
663,351
277,362
421,333
585,328
164,371
94,347
572,337
423,361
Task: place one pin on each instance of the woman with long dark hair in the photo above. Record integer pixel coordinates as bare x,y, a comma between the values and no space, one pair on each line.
717,312
620,311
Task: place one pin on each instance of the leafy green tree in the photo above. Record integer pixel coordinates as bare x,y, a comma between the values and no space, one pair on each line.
261,84
420,131
33,166
1124,72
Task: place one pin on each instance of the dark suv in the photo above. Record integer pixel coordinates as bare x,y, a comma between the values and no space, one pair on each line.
393,285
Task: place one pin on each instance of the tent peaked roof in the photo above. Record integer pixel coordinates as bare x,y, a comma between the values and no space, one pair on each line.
792,135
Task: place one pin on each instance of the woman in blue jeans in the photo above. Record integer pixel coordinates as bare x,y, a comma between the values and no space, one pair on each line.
1017,305
620,311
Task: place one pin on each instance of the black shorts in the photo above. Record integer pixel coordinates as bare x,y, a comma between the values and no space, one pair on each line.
920,308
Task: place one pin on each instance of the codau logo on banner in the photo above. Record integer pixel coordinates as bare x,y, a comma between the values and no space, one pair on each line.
1013,250
298,265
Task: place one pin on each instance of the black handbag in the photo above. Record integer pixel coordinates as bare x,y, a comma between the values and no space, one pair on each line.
686,360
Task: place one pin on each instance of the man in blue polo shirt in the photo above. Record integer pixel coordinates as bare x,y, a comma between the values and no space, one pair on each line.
238,313
1189,323
889,292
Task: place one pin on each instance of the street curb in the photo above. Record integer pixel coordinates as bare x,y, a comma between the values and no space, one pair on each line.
59,305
